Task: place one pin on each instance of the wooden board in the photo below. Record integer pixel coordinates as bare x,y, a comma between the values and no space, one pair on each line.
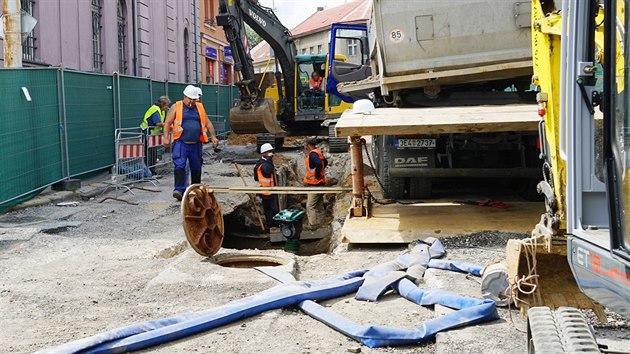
443,120
396,223
280,190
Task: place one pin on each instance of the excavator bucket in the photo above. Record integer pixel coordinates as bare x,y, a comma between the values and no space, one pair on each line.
258,119
540,276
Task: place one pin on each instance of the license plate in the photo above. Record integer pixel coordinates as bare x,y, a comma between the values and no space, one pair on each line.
415,143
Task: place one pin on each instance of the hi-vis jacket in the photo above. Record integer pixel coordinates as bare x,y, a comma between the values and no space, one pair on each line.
145,124
310,176
179,116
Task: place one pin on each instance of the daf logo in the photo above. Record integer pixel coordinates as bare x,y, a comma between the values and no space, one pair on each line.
257,18
420,161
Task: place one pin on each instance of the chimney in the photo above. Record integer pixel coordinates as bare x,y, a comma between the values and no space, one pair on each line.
320,8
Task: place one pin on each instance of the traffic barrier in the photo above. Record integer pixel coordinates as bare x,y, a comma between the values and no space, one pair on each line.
130,163
156,155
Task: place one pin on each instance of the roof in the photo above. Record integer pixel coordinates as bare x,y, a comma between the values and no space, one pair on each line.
350,12
261,52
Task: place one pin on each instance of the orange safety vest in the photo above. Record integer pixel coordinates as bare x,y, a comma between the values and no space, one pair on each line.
310,177
316,85
264,181
179,116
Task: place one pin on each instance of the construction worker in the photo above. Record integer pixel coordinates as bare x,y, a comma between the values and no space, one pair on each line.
314,176
264,174
154,119
190,125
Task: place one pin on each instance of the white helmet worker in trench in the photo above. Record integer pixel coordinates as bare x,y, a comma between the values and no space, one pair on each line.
189,124
265,175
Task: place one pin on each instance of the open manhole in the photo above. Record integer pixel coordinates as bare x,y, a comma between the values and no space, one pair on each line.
249,261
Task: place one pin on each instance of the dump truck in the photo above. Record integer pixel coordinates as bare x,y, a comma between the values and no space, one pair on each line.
427,63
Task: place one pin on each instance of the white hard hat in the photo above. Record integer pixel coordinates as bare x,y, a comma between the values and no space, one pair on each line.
364,106
191,92
265,147
200,91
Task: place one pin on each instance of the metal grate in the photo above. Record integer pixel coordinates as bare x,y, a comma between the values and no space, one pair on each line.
122,38
97,13
28,47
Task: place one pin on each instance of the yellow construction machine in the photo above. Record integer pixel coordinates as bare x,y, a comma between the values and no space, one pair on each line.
579,253
289,107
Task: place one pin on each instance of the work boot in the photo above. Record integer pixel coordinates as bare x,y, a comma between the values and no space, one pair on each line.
195,177
178,195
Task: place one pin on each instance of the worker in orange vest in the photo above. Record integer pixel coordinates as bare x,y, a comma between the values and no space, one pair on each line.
264,174
189,125
314,176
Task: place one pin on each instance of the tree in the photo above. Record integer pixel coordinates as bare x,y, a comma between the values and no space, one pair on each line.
252,37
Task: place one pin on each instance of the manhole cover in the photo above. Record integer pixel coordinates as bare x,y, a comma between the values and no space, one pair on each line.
249,261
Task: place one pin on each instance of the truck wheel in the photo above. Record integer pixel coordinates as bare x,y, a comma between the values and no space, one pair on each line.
336,144
420,188
560,331
394,186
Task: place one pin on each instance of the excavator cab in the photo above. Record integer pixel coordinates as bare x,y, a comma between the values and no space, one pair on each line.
310,85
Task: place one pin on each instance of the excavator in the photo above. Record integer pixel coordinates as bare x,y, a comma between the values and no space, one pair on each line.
579,253
289,108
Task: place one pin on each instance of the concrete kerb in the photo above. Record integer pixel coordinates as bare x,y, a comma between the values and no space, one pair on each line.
45,199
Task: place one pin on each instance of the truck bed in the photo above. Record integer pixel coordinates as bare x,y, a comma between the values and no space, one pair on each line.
443,120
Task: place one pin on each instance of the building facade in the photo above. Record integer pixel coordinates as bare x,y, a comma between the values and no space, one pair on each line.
215,55
146,38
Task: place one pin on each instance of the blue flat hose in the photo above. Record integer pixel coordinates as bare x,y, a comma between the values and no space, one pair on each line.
151,333
368,285
468,311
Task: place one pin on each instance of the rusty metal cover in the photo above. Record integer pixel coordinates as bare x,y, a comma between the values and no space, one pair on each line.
202,220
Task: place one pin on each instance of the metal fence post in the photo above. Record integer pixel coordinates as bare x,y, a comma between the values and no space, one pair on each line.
65,124
151,90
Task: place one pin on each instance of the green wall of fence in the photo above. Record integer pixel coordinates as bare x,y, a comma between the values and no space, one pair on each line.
30,153
67,128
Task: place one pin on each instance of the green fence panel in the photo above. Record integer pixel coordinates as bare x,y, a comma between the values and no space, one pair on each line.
89,121
30,153
210,99
158,88
225,98
176,91
135,99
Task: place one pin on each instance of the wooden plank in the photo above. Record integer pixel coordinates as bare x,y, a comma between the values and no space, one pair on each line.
443,120
396,223
281,190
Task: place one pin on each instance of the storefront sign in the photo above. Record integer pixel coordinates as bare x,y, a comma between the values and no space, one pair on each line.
212,53
227,53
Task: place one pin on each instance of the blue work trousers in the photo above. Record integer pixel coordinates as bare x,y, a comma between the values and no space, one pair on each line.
191,153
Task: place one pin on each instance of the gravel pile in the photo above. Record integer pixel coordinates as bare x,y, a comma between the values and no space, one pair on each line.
481,239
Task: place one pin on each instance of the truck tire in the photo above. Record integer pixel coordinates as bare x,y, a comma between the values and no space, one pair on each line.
394,187
420,188
560,331
336,144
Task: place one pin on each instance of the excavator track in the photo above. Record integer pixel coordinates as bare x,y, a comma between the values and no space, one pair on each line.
564,330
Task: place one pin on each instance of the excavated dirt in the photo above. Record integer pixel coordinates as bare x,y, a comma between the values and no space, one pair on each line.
241,139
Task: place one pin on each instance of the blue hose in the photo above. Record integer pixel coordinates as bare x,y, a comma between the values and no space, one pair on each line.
368,285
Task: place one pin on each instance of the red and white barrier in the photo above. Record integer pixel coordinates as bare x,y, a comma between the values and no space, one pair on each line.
130,151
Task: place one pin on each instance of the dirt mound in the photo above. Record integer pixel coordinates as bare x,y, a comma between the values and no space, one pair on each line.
241,139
